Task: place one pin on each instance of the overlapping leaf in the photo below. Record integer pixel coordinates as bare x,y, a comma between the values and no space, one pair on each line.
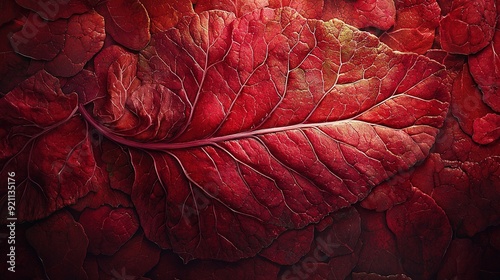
468,27
65,45
48,147
415,26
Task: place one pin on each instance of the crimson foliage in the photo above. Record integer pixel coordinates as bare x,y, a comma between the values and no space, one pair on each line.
251,139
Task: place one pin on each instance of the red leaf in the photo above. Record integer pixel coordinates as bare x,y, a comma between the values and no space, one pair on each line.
334,252
114,189
463,182
53,171
466,104
473,258
84,38
485,68
390,193
359,13
238,7
379,253
108,228
127,21
454,145
461,177
166,14
281,251
469,27
245,130
134,259
85,84
308,9
487,129
415,26
38,39
339,267
468,184
116,161
362,13
61,244
342,236
341,242
242,122
422,234
66,44
53,10
102,62
14,68
453,62
103,196
445,6
411,238
130,105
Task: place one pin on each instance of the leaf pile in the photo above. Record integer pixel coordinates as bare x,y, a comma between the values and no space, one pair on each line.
251,139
